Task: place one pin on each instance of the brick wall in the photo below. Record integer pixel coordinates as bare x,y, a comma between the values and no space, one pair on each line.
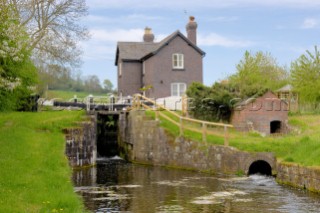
150,144
130,81
159,72
261,112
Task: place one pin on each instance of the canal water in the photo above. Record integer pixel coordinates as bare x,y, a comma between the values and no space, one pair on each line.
116,186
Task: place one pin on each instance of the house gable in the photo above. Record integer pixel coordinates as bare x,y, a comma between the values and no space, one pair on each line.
157,63
165,42
160,71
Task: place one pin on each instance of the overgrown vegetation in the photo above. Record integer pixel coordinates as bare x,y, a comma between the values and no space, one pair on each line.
210,103
35,175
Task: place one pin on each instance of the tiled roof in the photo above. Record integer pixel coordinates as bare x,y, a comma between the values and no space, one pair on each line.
139,50
135,50
286,88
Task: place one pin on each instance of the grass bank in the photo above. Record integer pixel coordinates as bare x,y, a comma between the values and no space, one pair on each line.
301,146
35,176
67,95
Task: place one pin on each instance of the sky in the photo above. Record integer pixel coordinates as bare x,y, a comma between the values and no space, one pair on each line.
226,29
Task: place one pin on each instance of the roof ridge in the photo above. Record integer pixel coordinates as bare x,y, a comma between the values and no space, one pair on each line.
143,50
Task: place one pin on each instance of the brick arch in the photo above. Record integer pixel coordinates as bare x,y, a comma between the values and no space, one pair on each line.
264,158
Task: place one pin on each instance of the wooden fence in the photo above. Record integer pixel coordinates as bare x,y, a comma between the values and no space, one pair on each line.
142,102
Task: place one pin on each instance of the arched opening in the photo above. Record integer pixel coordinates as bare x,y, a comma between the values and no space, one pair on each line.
275,127
260,167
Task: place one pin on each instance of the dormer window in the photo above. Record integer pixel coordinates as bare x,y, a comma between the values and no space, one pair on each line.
177,61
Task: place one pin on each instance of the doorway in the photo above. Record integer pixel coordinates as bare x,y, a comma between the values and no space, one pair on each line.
275,127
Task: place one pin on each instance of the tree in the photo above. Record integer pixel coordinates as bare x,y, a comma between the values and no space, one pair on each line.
92,84
107,85
17,72
258,73
305,75
54,29
210,103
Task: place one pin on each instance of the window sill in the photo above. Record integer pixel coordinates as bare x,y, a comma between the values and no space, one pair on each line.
178,69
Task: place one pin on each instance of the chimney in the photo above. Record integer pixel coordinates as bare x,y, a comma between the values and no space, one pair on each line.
192,30
148,35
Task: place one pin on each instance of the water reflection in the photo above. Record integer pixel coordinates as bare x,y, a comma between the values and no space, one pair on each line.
116,186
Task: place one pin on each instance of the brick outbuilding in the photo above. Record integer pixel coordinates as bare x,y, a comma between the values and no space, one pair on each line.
266,114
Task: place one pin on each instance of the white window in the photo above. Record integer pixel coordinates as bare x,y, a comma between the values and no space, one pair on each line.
178,89
177,61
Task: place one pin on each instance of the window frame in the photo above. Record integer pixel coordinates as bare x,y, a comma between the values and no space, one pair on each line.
178,61
178,92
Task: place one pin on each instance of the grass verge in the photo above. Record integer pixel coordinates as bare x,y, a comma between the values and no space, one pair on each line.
35,176
301,147
67,95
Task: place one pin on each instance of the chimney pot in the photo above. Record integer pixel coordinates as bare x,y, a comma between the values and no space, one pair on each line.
192,30
148,35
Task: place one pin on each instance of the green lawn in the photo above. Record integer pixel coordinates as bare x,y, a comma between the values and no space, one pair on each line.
301,146
35,175
67,95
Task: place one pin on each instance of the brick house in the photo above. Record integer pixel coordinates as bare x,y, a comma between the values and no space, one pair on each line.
266,114
164,68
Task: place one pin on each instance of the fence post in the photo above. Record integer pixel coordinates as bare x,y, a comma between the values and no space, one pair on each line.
181,127
226,136
204,132
157,114
138,102
184,105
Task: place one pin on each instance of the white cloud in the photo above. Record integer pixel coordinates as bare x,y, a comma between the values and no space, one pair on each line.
214,39
100,35
309,23
102,44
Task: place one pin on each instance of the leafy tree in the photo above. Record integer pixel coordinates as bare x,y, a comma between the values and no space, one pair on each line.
305,74
17,72
92,84
210,103
54,29
258,73
107,85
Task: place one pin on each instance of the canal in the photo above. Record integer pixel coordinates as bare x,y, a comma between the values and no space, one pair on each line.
116,186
